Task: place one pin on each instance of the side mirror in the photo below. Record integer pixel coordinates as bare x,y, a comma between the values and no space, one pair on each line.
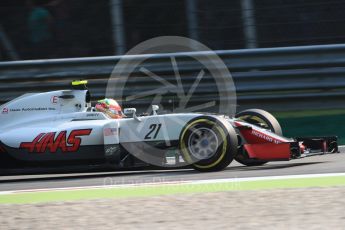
155,108
131,111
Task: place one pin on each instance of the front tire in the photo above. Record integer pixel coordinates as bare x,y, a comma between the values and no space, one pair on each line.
262,119
208,143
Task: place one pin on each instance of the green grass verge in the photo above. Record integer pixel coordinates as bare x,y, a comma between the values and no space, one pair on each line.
313,123
149,191
309,113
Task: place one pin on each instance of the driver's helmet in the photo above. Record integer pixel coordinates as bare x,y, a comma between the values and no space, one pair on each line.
109,107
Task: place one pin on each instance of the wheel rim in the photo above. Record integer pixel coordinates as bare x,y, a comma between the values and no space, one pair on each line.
203,143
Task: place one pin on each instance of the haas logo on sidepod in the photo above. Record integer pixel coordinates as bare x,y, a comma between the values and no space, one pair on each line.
4,111
47,141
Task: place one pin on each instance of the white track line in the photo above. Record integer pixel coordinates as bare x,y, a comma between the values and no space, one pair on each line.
195,182
186,182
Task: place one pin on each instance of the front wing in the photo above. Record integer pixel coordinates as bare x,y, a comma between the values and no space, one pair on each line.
301,147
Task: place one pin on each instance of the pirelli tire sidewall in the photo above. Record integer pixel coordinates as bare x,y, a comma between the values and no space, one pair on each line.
227,146
268,118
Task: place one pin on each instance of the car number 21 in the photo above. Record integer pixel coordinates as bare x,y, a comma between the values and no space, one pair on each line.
154,130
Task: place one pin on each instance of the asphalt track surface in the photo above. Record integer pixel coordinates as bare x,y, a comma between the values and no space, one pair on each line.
332,163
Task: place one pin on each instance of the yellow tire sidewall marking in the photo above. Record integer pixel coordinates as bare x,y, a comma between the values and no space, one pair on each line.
187,155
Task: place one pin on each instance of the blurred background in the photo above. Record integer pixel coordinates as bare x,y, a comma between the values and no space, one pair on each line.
285,56
35,29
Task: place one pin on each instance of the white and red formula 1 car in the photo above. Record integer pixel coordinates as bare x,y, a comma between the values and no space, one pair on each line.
61,129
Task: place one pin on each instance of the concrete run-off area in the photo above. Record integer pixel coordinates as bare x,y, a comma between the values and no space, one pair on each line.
309,208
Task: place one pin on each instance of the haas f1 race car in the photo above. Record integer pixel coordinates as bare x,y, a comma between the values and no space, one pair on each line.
60,129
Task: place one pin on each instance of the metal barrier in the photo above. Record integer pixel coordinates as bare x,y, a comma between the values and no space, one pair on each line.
292,78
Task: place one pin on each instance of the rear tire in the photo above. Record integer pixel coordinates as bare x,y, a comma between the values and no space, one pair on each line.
208,143
262,119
